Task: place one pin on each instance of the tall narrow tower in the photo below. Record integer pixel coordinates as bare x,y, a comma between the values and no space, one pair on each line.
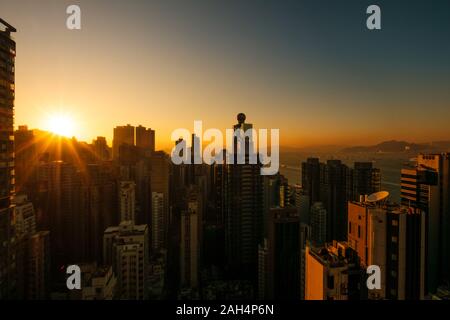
7,89
244,211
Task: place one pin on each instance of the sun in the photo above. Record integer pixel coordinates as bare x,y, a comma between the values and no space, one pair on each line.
61,124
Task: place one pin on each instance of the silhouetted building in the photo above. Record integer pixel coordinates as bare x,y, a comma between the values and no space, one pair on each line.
33,254
333,184
311,179
366,179
24,215
160,200
145,139
283,254
127,199
64,204
318,224
7,91
26,159
190,246
122,135
244,215
427,187
37,266
101,150
334,187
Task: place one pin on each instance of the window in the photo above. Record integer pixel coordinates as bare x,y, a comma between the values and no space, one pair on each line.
359,231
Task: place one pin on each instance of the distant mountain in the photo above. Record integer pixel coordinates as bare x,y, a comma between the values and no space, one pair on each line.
309,149
402,146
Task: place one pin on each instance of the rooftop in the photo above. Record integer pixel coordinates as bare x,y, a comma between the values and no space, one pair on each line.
6,26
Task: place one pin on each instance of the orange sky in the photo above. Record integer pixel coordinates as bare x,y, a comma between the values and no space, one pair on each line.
165,71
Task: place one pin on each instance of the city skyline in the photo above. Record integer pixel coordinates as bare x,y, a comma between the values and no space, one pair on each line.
86,215
315,74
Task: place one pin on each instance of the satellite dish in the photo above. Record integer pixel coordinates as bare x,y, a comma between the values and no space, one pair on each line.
378,196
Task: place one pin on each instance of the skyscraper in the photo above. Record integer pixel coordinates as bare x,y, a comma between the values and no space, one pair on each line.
427,187
127,199
311,179
37,266
333,194
393,238
25,160
318,224
366,179
145,139
159,178
101,149
24,215
333,183
63,203
244,216
283,254
7,92
190,246
122,135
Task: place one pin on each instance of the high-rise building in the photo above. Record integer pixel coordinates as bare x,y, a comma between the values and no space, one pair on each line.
333,183
7,92
245,206
263,270
311,179
333,194
33,255
26,159
427,187
305,231
100,196
302,203
190,246
318,222
283,254
126,248
393,238
37,266
101,149
24,215
160,218
127,200
366,180
145,139
63,203
157,225
122,135
32,252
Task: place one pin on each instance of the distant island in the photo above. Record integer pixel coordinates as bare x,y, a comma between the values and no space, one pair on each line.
401,146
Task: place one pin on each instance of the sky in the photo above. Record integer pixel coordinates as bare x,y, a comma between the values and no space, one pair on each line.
309,68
